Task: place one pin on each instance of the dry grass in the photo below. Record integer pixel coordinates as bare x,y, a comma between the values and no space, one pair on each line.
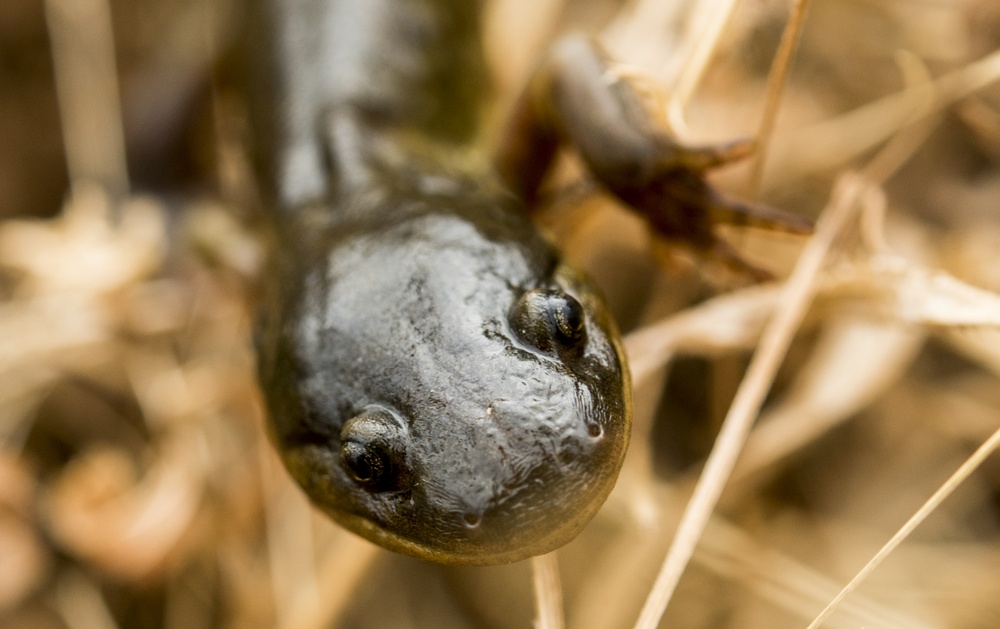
137,488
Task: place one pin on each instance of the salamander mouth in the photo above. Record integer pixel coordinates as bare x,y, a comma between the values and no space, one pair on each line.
468,551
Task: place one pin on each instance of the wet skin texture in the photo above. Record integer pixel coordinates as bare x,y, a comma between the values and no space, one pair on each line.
442,385
437,380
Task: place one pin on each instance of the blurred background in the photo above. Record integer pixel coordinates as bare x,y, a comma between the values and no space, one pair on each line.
137,486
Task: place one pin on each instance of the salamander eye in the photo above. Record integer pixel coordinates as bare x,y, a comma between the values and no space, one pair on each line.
372,450
367,464
551,321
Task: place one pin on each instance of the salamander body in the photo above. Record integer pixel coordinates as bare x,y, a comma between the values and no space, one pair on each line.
436,378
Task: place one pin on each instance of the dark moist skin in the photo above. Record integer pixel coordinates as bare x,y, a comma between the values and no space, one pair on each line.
437,379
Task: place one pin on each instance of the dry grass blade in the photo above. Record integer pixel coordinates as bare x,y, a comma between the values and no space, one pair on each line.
83,56
725,323
81,604
775,88
980,345
894,288
290,541
795,299
835,142
548,592
853,363
342,568
637,33
697,61
928,507
503,23
789,583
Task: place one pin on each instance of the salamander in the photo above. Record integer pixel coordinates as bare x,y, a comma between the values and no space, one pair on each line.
437,379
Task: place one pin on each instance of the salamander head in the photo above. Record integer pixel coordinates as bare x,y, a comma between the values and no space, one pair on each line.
443,386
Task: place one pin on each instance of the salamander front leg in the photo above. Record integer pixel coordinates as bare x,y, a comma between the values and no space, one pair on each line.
576,99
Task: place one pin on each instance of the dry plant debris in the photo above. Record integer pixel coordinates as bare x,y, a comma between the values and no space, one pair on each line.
137,487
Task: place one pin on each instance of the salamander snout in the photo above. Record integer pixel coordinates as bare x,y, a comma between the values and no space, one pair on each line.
451,390
516,476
